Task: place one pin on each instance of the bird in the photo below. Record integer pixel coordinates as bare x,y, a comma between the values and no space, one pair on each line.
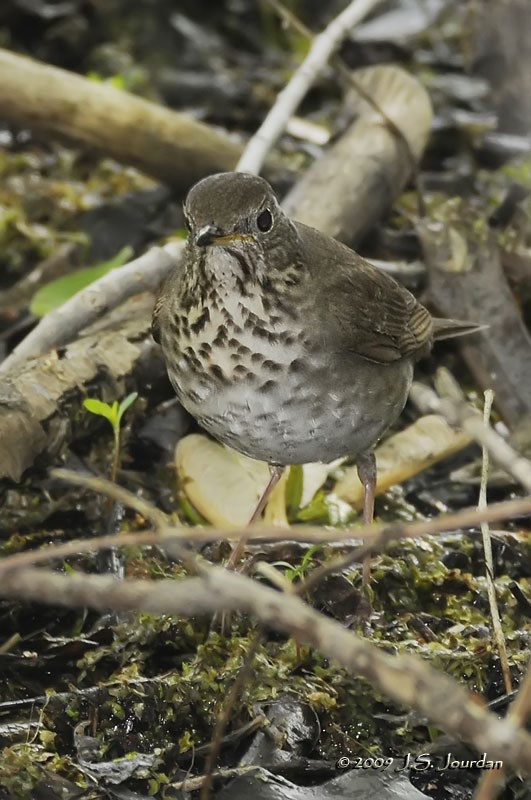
281,341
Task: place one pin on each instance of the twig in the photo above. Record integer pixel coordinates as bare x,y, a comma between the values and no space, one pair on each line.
487,547
375,535
406,679
114,492
454,407
79,546
117,497
13,640
389,533
304,76
60,326
194,784
520,710
193,562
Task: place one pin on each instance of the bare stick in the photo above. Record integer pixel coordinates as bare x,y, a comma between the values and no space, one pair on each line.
194,563
521,708
487,547
375,535
171,146
61,326
289,98
78,546
13,640
389,533
454,407
114,492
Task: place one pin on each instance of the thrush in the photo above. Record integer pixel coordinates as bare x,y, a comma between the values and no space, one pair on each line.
282,342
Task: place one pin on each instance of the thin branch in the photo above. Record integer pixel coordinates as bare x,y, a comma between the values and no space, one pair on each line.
454,407
304,76
189,785
10,643
375,535
487,547
114,492
521,708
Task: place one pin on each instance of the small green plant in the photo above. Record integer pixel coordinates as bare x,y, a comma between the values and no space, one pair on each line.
113,413
296,573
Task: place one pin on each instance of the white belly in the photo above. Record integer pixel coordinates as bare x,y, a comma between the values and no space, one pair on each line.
293,421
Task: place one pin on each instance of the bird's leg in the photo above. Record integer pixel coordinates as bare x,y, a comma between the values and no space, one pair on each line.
275,475
366,465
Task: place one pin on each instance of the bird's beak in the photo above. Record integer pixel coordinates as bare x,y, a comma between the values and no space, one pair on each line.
210,235
207,235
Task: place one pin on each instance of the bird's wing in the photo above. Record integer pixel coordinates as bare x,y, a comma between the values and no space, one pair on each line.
170,286
155,319
363,310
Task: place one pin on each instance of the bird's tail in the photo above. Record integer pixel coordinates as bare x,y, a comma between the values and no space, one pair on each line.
448,328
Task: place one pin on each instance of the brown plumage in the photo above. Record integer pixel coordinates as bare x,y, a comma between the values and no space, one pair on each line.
281,341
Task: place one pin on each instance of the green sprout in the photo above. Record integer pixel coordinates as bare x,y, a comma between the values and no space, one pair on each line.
113,413
298,572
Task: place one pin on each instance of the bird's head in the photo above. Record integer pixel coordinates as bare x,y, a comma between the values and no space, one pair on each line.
240,213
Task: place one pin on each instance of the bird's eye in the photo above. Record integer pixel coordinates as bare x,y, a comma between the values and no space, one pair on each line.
264,220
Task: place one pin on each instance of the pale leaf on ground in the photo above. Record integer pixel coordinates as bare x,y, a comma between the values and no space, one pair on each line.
225,486
428,440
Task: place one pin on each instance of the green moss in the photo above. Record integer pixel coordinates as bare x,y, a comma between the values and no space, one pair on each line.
25,766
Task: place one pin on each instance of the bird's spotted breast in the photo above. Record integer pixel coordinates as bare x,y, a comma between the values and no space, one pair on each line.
227,355
275,397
